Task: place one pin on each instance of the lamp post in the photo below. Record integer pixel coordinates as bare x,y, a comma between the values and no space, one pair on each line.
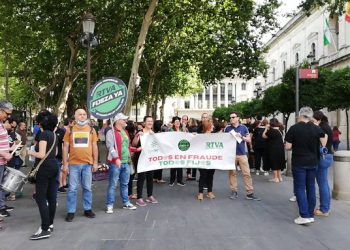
88,41
258,90
137,90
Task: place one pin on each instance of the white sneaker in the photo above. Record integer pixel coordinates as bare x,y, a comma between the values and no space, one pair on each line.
109,210
266,173
303,221
257,172
293,199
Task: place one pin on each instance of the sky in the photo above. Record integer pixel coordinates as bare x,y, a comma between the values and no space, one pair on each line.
287,7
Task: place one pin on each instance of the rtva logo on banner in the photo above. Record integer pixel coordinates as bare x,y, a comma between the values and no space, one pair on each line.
186,150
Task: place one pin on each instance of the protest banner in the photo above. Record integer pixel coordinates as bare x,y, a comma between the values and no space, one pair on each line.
187,150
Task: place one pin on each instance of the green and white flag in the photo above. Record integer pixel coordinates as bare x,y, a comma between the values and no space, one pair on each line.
326,33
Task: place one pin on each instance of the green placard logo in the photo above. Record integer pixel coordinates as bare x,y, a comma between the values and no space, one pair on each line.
184,145
107,98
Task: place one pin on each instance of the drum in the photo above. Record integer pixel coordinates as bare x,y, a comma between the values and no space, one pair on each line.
13,180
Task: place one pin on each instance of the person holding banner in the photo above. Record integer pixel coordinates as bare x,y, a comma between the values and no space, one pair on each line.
148,125
176,172
118,145
241,133
206,175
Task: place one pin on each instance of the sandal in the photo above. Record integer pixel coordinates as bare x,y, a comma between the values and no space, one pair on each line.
132,197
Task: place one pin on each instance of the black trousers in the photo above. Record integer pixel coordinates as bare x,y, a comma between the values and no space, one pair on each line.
130,184
149,183
158,174
175,173
192,172
206,178
46,192
260,155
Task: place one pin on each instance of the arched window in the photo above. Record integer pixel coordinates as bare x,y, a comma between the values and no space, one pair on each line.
296,58
313,49
244,85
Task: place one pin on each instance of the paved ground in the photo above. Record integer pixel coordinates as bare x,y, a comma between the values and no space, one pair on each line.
179,221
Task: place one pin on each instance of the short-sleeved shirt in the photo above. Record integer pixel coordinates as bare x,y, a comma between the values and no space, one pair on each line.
4,143
47,136
80,141
243,130
305,140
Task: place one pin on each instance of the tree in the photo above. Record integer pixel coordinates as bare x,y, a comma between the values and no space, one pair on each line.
337,92
140,46
335,7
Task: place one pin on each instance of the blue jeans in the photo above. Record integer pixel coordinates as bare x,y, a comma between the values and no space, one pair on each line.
304,188
79,174
122,174
322,181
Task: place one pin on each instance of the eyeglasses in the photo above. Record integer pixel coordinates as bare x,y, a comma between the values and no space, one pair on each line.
7,113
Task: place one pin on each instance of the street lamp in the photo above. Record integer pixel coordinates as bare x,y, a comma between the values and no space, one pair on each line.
88,41
258,90
312,60
137,90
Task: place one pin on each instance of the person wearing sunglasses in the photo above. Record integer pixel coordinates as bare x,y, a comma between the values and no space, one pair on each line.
242,132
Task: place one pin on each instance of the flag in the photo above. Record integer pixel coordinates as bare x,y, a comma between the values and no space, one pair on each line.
326,33
347,12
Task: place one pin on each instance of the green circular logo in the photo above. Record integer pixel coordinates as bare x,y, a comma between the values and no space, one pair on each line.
184,145
107,98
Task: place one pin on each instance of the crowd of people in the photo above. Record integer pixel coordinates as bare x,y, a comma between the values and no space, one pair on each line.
68,155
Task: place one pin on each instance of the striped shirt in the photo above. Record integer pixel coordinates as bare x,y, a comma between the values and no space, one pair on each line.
4,143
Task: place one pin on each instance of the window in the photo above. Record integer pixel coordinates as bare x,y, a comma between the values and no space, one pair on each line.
133,112
244,86
187,104
296,58
284,66
313,49
274,74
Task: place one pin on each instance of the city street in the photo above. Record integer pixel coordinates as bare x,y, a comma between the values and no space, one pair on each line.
179,221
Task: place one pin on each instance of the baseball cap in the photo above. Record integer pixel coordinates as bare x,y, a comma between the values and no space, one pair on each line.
120,116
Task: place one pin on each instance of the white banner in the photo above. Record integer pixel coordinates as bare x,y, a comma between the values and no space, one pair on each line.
187,150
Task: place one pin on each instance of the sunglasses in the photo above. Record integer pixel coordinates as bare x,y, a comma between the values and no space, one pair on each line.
7,113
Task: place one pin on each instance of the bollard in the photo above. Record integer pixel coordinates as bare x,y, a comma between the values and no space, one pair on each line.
341,175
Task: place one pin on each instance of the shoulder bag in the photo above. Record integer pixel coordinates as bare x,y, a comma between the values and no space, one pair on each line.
31,177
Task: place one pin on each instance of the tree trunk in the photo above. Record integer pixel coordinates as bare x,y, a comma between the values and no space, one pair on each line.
7,96
155,107
68,80
150,95
162,109
147,20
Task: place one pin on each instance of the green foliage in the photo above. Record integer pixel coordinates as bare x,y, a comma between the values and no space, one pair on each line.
334,6
337,90
190,43
247,108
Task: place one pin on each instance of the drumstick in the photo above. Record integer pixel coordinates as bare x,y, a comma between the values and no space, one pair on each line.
16,147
